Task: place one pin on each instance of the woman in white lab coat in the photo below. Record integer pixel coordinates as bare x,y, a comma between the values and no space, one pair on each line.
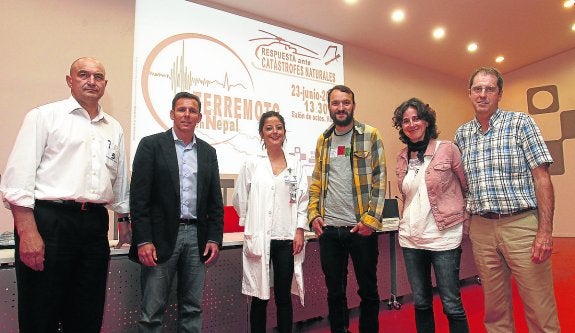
271,199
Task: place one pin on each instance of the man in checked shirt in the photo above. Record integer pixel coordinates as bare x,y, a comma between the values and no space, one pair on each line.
511,200
346,198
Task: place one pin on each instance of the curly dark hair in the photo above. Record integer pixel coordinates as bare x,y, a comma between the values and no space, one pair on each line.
424,112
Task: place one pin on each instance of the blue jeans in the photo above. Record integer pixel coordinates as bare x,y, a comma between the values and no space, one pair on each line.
336,245
157,282
446,266
281,253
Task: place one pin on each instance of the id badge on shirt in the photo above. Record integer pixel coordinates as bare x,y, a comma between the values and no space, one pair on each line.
341,151
112,153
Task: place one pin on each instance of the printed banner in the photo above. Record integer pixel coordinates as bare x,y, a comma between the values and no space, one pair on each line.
240,68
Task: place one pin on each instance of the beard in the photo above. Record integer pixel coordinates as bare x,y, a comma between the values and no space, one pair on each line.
343,122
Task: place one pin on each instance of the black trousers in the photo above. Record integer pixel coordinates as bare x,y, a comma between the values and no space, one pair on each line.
336,245
281,255
69,294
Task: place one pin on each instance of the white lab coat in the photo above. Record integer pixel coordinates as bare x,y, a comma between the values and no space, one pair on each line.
251,199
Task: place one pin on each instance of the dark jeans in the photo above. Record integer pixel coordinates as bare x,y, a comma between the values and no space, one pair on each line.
281,253
336,244
446,266
69,293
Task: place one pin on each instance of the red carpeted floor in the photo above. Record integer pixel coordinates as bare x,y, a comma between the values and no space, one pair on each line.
402,321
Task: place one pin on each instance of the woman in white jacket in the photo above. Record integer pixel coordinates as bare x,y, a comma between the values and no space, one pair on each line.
271,199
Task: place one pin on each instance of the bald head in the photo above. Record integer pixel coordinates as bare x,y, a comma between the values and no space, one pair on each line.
87,82
82,59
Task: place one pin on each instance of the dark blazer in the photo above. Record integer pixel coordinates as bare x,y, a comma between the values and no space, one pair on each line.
155,196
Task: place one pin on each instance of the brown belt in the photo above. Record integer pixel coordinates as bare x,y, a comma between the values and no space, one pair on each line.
496,216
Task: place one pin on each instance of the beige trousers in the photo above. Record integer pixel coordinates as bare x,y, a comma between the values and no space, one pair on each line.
502,248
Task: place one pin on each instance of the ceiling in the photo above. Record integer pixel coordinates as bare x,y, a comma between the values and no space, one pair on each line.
524,32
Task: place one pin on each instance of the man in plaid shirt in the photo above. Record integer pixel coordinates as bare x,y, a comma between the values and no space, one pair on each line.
345,209
511,200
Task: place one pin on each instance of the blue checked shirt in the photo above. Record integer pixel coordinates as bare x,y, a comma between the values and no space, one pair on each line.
498,163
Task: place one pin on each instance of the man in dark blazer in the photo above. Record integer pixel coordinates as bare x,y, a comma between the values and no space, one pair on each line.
177,216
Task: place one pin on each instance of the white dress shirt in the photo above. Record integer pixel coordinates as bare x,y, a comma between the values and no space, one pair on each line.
61,154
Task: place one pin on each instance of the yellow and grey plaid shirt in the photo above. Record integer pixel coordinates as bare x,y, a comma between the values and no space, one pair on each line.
369,175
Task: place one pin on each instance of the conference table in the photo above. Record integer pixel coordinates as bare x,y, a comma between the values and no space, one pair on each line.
225,308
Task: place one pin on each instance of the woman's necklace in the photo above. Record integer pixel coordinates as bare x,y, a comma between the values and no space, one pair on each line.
414,164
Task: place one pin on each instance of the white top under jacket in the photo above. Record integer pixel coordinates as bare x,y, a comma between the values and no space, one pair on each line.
253,198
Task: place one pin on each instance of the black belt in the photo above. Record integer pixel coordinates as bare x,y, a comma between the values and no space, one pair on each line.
188,221
496,216
71,204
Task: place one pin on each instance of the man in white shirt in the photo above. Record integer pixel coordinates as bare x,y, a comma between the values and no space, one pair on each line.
67,165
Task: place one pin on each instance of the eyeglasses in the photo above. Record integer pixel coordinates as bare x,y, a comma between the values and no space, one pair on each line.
489,90
407,121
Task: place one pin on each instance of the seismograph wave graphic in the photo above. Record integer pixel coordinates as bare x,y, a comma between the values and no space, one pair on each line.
182,78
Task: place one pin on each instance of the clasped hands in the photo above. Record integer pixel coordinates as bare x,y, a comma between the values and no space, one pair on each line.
317,225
